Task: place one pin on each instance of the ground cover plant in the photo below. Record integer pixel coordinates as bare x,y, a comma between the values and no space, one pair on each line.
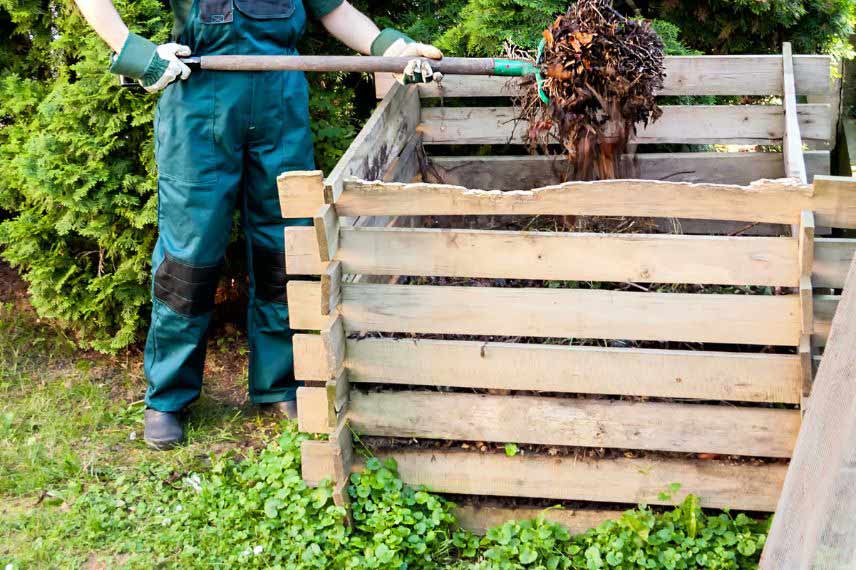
78,489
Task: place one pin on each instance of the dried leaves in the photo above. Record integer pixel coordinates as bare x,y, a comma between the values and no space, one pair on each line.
602,72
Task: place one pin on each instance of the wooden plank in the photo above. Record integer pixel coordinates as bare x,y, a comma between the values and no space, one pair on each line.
326,223
331,459
831,198
566,313
647,258
331,287
518,172
576,369
333,343
301,193
726,430
310,362
832,258
719,484
685,75
479,519
315,413
825,307
379,142
302,254
792,140
685,124
814,525
339,392
304,300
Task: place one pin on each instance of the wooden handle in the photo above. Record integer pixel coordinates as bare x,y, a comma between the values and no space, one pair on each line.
368,64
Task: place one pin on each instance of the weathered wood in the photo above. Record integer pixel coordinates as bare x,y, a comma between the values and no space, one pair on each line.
331,459
333,343
719,484
301,193
339,393
326,223
570,256
832,258
310,362
304,299
565,313
685,75
831,198
331,287
315,412
478,518
302,253
518,172
385,134
577,369
792,140
726,430
686,124
814,524
825,307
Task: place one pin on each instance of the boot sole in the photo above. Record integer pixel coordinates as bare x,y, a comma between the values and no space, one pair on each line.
163,444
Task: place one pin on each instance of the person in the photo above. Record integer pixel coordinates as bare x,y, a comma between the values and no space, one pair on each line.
221,140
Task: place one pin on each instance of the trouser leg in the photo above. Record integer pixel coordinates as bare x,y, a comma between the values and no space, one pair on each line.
284,144
197,190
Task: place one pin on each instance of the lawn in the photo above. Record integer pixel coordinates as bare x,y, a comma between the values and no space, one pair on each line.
79,488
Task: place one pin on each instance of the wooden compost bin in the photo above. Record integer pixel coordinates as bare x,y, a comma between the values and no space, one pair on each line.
686,405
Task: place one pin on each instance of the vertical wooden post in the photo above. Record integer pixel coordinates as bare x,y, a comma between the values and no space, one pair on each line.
791,141
806,263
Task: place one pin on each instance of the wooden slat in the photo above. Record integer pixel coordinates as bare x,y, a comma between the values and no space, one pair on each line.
792,140
326,223
301,193
302,255
316,414
718,484
333,343
479,519
310,362
576,369
685,75
518,172
825,307
726,430
304,302
331,287
831,198
565,313
832,258
814,525
687,124
570,256
375,148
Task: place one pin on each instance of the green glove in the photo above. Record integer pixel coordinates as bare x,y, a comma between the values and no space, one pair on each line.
392,43
154,66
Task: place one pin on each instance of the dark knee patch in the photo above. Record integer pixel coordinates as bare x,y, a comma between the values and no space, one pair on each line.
269,273
186,289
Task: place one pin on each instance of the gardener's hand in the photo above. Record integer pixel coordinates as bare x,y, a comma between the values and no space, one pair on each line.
392,43
154,66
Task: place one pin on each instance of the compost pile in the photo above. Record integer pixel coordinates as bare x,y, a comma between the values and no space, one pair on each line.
602,72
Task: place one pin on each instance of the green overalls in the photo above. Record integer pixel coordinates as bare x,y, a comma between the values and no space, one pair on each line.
222,138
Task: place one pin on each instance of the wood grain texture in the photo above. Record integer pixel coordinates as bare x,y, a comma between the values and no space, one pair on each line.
831,198
315,412
375,148
726,430
814,525
792,139
719,484
302,253
576,369
832,259
519,172
685,75
825,307
331,287
684,124
310,361
566,313
304,300
644,258
478,519
326,223
301,193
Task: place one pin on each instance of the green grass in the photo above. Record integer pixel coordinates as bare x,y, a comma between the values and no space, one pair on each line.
79,489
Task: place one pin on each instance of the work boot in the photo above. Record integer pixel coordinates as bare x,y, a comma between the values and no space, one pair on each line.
287,409
163,429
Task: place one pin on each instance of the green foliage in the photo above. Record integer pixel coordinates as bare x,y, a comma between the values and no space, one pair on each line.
750,26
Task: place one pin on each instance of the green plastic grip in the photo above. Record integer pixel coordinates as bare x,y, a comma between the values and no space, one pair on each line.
520,68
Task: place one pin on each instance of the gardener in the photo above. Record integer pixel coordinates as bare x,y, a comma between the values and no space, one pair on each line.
221,139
